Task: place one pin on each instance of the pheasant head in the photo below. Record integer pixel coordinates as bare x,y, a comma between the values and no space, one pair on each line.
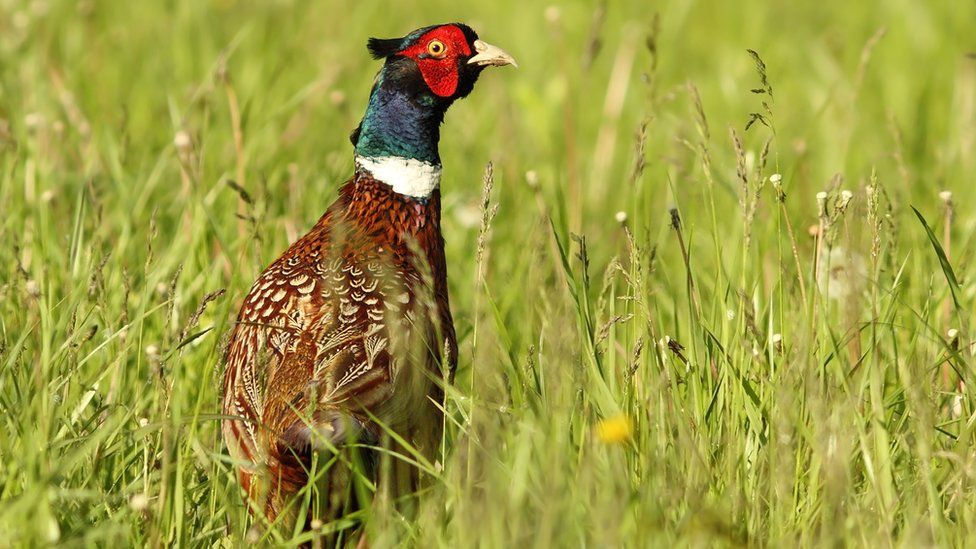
423,74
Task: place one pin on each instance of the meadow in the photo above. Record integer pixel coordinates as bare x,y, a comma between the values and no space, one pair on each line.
718,291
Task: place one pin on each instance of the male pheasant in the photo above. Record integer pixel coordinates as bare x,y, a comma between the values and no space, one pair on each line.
347,338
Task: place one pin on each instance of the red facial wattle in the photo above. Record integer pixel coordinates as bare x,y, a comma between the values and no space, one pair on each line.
441,76
440,72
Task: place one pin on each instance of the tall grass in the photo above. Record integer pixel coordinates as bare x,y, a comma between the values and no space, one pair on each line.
667,335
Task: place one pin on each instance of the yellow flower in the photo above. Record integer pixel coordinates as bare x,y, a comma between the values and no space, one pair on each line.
614,430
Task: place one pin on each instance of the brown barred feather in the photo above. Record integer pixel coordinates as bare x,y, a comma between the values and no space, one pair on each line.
339,329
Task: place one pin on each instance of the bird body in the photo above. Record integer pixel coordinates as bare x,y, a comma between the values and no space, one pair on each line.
316,332
348,336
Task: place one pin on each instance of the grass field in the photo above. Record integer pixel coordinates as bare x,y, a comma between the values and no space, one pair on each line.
662,342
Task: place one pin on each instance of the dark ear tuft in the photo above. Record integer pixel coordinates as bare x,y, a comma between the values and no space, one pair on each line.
354,136
383,47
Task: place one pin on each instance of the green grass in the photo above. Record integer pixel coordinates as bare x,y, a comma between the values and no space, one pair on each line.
819,410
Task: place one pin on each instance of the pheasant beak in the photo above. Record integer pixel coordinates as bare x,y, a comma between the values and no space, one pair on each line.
486,54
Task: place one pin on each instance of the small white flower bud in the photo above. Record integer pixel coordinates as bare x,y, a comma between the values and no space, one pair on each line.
957,406
152,351
621,217
845,200
139,502
822,203
182,141
33,288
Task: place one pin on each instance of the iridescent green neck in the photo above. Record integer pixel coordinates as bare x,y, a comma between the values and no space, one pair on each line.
402,119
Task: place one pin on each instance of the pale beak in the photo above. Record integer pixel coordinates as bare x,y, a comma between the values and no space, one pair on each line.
486,54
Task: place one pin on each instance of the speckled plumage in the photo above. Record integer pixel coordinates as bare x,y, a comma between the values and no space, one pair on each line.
348,337
317,329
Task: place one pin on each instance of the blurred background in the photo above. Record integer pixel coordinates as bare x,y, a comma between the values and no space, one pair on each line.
782,369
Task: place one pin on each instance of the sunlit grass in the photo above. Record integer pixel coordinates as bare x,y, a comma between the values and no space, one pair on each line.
667,335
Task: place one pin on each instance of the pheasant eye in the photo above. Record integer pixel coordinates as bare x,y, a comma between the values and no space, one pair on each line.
436,48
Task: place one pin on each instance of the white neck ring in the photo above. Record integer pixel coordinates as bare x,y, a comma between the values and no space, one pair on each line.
407,176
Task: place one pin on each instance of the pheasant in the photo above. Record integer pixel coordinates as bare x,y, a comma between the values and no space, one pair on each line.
347,340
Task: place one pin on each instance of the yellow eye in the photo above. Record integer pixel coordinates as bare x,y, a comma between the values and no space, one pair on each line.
436,48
